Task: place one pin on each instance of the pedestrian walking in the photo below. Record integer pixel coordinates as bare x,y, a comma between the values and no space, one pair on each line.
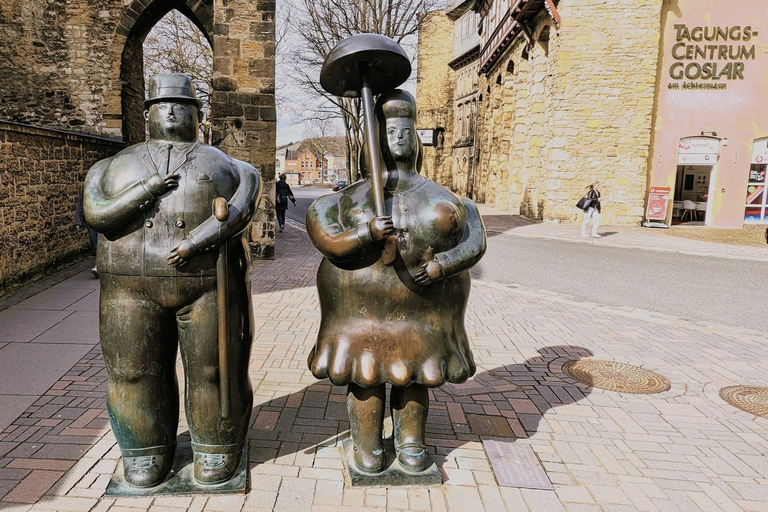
80,222
592,211
283,193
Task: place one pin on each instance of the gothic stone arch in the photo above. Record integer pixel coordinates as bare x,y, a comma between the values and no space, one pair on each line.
243,117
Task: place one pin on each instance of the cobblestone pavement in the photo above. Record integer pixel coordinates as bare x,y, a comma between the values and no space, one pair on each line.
683,449
748,243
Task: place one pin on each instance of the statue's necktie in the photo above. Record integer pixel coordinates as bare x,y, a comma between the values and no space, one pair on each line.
165,161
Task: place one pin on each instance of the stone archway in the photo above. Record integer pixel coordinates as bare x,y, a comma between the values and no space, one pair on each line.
243,117
131,31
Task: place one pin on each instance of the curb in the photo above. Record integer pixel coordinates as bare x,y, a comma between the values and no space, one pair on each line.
633,246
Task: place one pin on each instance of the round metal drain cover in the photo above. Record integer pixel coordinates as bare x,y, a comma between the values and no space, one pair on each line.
619,377
752,399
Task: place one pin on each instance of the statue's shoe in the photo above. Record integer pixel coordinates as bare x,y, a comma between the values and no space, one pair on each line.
215,468
146,470
412,457
369,462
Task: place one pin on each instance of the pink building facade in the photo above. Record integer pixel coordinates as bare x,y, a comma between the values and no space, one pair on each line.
709,149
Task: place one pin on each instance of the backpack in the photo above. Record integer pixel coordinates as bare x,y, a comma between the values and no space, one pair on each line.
282,197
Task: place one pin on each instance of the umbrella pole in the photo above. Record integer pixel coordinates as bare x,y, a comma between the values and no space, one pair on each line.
373,140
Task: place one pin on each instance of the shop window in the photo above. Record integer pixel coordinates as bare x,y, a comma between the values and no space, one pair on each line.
756,207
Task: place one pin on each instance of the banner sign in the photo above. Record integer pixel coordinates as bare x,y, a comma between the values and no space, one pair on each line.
698,151
658,202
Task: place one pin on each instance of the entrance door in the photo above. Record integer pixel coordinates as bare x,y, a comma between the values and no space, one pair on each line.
696,172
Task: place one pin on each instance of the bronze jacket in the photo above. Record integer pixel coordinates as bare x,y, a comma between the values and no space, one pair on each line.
139,230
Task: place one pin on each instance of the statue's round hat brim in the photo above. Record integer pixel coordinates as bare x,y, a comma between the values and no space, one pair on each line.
183,99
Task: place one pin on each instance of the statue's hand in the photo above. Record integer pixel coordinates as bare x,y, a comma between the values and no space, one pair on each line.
429,272
159,185
381,227
182,253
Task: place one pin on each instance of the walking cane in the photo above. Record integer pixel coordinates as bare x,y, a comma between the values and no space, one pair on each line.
361,66
221,212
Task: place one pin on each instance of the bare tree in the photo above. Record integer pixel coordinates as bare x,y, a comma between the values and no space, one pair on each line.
176,45
321,26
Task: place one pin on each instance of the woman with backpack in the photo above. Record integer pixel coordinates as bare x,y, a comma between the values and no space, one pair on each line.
283,193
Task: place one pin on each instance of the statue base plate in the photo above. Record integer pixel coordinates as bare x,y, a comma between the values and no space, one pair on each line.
393,474
181,480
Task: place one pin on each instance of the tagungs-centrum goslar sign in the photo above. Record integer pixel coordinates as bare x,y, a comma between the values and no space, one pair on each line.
707,58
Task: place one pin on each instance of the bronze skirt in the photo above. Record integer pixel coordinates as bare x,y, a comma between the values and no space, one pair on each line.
378,326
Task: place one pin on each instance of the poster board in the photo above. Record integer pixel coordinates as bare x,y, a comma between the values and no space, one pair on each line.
658,203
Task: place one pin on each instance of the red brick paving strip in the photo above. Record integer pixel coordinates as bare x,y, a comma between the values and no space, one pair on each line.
50,436
33,487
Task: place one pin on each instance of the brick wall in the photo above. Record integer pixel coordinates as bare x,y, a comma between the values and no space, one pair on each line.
41,174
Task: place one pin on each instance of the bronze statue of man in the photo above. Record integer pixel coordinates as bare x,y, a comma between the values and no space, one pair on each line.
157,260
393,291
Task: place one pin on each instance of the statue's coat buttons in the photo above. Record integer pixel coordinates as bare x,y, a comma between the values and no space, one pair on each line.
180,223
148,223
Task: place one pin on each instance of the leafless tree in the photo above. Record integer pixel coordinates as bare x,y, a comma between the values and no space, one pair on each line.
322,25
176,45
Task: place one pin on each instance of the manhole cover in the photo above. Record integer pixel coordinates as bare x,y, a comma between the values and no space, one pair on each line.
619,377
751,399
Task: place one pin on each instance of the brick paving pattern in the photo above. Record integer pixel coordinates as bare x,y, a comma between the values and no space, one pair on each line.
683,449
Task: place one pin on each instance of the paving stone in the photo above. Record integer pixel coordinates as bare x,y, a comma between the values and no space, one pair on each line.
602,450
33,486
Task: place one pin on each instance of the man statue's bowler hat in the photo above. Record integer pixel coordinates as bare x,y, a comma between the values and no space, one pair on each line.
174,86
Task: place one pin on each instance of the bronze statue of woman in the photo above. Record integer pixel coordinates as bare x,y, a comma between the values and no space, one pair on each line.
393,292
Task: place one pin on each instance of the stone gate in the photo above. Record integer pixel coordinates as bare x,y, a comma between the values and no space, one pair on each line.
74,71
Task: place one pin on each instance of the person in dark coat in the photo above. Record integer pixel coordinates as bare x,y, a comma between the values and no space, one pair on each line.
283,193
93,236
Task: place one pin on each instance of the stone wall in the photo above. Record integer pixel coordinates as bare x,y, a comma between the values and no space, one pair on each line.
243,107
77,65
434,92
41,175
574,108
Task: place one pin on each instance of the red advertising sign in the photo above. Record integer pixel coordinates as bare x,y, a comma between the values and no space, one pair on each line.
658,201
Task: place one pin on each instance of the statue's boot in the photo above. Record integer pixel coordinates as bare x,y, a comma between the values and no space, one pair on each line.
147,470
366,419
215,468
410,407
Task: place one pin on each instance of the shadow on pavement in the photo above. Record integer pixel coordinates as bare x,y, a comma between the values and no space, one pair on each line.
499,224
504,403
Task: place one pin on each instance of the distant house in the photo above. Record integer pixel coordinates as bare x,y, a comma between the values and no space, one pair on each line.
320,160
286,161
